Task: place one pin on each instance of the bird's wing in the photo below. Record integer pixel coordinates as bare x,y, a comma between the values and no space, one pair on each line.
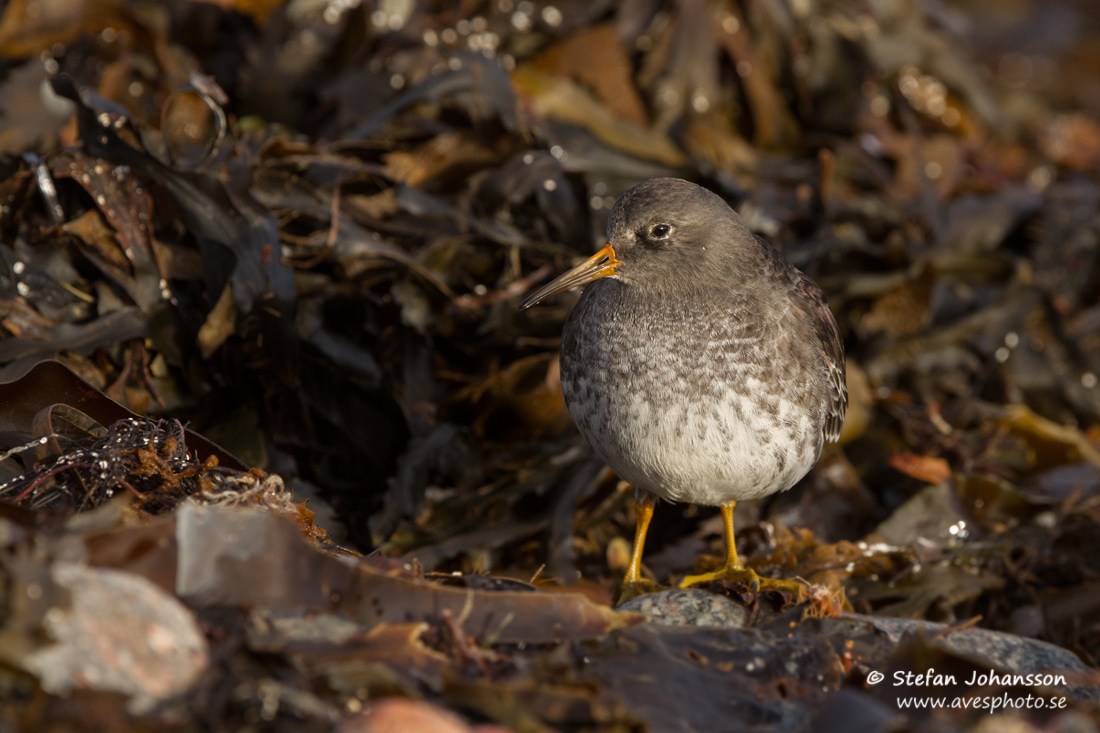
817,314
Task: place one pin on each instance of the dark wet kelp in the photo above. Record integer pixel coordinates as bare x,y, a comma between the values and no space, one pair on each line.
278,450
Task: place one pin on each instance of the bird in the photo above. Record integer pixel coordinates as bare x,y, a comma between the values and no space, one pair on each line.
698,363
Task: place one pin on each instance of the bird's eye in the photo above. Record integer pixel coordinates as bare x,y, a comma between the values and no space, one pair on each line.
660,231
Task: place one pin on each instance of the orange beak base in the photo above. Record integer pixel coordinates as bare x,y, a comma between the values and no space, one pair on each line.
601,264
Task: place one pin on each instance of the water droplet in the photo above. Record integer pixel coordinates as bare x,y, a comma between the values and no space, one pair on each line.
699,102
551,16
521,21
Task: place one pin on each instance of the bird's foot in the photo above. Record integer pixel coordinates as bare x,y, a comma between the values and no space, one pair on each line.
631,589
748,577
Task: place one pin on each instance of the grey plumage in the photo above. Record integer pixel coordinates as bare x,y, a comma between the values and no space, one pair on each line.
707,368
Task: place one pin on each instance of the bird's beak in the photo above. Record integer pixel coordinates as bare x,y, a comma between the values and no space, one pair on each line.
601,264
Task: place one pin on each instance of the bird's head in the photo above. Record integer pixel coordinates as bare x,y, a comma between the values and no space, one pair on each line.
663,230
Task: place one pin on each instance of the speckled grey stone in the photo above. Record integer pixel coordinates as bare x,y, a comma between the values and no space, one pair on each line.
120,633
689,607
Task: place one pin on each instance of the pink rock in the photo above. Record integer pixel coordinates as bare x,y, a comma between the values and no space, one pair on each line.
401,715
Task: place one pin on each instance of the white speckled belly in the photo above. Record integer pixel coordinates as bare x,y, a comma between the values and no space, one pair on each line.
685,419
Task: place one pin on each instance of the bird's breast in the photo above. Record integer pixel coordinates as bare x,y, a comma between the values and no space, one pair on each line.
683,399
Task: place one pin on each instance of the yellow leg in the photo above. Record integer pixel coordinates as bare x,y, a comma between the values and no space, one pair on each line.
732,569
634,584
643,514
731,542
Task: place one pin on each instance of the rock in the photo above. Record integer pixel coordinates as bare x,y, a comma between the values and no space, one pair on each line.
690,607
1005,652
121,633
400,715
